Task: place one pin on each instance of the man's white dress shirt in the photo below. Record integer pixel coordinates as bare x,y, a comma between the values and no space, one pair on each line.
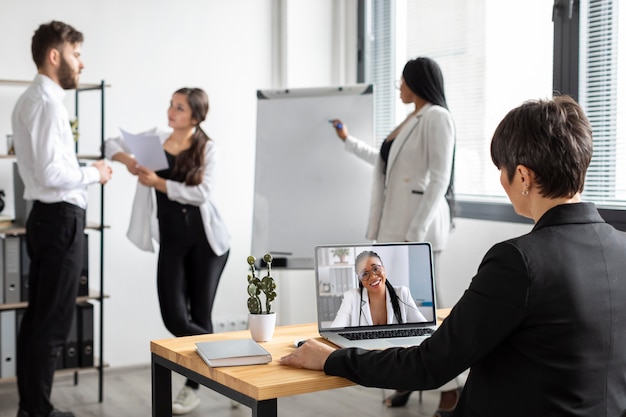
45,147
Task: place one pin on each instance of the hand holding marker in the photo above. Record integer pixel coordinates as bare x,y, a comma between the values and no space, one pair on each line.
339,125
341,130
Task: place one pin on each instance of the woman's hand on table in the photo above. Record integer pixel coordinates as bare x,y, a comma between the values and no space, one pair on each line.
311,355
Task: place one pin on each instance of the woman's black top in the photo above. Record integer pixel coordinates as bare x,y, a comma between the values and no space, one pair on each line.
164,204
385,148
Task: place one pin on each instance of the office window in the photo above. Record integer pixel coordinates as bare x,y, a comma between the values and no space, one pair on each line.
497,53
494,55
381,70
602,94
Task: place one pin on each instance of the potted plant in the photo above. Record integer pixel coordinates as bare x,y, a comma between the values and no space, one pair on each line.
262,323
340,253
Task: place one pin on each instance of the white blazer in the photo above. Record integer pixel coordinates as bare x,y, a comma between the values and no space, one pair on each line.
143,227
408,199
356,312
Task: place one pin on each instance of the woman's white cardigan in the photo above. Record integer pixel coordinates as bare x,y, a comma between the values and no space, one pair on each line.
143,227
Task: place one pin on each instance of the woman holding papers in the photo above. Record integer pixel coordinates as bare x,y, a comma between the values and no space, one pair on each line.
412,174
376,301
194,242
541,325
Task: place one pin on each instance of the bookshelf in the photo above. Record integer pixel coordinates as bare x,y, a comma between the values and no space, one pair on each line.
8,227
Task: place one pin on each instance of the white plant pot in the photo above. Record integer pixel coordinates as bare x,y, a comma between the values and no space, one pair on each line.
262,326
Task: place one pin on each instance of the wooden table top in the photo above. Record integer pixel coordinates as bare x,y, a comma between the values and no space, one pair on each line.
260,382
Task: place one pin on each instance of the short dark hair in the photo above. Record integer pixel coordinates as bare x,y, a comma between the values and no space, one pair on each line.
551,137
52,35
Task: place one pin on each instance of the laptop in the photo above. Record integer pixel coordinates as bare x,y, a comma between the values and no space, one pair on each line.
343,314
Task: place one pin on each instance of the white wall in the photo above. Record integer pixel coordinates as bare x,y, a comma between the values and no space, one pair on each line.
146,49
468,243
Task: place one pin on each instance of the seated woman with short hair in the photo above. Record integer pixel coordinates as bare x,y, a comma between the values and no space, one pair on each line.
542,323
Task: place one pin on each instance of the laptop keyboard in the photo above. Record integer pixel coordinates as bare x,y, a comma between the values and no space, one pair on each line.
384,334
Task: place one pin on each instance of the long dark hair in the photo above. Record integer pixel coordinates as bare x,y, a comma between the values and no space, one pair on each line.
395,304
424,77
191,161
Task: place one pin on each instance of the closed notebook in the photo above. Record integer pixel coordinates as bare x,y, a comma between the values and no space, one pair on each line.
232,353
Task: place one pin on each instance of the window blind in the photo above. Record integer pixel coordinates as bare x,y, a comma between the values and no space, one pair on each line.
379,69
601,52
494,55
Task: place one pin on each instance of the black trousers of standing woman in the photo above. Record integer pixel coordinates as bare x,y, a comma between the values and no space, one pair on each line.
188,273
54,240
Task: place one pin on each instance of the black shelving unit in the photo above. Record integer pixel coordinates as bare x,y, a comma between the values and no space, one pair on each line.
99,295
101,88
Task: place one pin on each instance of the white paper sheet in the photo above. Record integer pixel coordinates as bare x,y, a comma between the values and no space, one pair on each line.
147,150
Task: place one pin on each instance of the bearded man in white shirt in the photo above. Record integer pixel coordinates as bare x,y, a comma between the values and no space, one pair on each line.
57,185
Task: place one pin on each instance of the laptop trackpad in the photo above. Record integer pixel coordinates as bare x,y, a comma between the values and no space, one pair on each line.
406,341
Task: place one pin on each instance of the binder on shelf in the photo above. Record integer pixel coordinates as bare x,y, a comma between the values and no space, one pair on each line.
83,283
84,317
22,207
25,269
1,270
19,314
12,284
60,357
70,351
7,343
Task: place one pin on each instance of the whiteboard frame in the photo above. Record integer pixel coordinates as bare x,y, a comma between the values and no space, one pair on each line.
297,149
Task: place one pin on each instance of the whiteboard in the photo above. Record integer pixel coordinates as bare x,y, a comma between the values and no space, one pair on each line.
308,189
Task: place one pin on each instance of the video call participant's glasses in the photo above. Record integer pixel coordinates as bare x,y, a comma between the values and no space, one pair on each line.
376,270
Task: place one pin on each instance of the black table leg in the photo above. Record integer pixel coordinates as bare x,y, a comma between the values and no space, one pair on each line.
161,390
265,408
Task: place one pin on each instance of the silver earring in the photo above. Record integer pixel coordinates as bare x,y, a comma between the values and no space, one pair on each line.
525,192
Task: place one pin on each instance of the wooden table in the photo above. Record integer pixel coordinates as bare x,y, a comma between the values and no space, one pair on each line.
256,386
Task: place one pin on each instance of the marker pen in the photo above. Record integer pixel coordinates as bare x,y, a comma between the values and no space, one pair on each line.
339,125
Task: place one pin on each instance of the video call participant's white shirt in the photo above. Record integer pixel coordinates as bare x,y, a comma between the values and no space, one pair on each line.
355,310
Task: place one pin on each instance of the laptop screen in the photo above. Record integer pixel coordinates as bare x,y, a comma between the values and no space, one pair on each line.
342,302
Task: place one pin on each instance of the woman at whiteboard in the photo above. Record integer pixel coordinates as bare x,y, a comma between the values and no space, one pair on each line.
412,173
194,242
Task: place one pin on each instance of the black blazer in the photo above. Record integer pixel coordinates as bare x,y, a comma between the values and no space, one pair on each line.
542,327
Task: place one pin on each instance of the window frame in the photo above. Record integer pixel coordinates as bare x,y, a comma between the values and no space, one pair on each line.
566,16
